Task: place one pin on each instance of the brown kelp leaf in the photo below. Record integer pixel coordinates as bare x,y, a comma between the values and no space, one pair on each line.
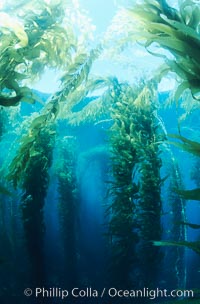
195,246
193,194
187,145
10,101
193,226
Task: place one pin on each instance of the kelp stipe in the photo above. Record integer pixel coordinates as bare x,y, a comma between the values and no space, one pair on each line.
28,171
148,136
193,148
177,231
195,176
34,183
68,208
122,227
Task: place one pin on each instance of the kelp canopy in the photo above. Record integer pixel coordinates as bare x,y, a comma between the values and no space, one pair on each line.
166,32
39,36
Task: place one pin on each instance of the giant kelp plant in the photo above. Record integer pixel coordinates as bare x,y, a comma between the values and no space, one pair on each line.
135,210
148,134
34,185
122,224
29,169
174,31
34,158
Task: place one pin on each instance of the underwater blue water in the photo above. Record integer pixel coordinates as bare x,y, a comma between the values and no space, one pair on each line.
85,213
92,172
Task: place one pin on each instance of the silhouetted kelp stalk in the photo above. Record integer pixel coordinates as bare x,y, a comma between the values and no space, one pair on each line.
7,246
35,185
135,210
29,171
195,172
177,205
177,230
149,206
192,147
68,207
121,226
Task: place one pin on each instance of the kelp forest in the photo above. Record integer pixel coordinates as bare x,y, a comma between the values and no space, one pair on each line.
100,174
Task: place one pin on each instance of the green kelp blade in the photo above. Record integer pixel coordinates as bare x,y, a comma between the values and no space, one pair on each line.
195,88
187,145
29,96
180,89
10,101
15,26
190,225
195,246
39,121
186,30
193,194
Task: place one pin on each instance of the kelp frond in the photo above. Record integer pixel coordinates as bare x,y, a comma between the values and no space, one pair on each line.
190,225
86,89
41,39
195,246
94,110
185,144
78,111
193,194
45,121
192,147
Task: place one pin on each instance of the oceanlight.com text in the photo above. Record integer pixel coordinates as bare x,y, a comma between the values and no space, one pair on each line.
89,292
151,293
